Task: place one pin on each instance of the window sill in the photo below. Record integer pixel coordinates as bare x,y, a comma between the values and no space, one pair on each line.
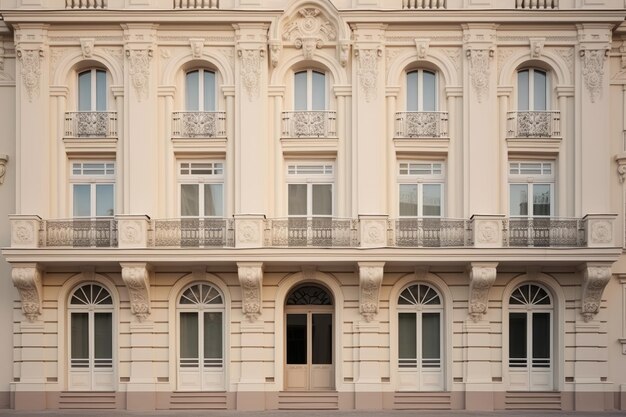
90,144
302,145
200,145
421,145
534,145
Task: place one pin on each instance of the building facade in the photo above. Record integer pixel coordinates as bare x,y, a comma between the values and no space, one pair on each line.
313,204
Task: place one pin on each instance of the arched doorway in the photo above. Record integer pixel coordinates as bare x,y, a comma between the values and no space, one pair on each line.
309,341
530,325
90,314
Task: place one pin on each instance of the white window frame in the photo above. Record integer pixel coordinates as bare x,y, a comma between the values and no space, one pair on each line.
531,88
200,180
420,180
420,88
93,180
201,89
94,89
309,89
530,180
310,179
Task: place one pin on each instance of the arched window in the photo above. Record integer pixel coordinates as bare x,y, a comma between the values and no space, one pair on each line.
200,91
530,338
420,339
532,90
310,91
92,90
201,341
421,88
91,338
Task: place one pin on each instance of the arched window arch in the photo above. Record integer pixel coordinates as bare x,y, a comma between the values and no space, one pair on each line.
92,90
533,90
422,90
201,311
530,325
420,338
201,90
90,312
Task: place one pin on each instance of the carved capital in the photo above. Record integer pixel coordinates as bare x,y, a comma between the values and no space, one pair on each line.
30,62
481,277
139,70
595,279
251,281
480,70
370,280
367,70
86,46
197,45
3,167
136,276
27,280
592,61
251,61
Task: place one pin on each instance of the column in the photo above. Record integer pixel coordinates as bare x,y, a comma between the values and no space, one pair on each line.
391,92
343,151
122,197
504,94
278,95
454,182
229,94
565,185
167,201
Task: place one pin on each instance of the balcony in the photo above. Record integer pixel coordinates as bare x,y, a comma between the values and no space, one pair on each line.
544,232
311,232
309,124
423,4
421,124
193,233
199,124
86,4
79,233
196,4
431,232
91,124
536,4
534,124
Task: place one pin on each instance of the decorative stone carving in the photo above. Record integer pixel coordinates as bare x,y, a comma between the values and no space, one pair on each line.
86,46
568,56
131,233
621,171
139,70
503,56
482,277
536,47
23,232
344,52
370,280
309,30
275,49
3,167
480,70
251,60
593,70
368,70
251,281
487,232
422,46
247,232
30,60
601,232
27,280
197,45
137,280
595,279
455,56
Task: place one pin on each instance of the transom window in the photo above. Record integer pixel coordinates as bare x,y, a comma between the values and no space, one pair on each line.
532,86
201,294
531,188
310,189
93,188
309,295
310,90
201,189
421,87
200,90
92,90
91,295
421,189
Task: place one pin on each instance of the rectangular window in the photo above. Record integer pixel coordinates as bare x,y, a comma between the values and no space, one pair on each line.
201,189
531,189
213,335
407,336
517,340
310,190
421,189
93,189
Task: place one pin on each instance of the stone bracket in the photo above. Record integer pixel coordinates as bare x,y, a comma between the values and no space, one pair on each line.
481,276
27,280
595,278
370,280
136,276
251,281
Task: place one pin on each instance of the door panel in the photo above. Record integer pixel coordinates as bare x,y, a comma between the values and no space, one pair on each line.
530,347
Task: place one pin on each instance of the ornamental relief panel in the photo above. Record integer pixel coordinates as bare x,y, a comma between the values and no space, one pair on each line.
593,71
251,281
137,280
370,280
28,282
480,70
595,279
251,61
367,71
139,71
30,60
309,31
481,280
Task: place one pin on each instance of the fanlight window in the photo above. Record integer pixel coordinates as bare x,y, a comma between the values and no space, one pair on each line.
309,295
91,295
201,294
419,294
530,294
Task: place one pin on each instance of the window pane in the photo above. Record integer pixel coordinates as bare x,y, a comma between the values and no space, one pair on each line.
411,91
84,91
518,204
319,91
189,200
103,335
213,335
192,87
189,335
541,335
209,91
541,101
296,339
213,200
408,200
80,335
297,200
101,90
407,336
82,200
431,199
541,199
322,339
300,89
430,336
322,199
522,90
430,92
105,200
517,335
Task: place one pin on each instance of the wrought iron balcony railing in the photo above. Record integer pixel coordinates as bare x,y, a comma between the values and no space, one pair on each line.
79,233
193,233
424,4
534,124
544,232
309,124
422,124
311,232
199,124
196,4
86,4
536,4
91,124
431,232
